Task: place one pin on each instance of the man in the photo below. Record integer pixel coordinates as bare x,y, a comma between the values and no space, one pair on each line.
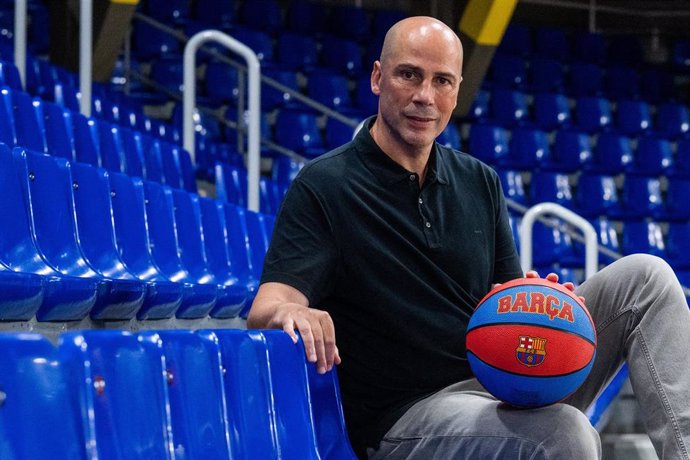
392,240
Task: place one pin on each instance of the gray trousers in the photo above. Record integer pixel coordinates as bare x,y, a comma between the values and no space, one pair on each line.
641,317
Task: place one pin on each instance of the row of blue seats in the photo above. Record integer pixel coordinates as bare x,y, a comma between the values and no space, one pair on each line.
593,195
76,240
271,15
167,394
554,246
50,128
650,83
579,45
526,148
592,114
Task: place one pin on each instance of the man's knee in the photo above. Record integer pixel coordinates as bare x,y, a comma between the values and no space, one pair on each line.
645,267
572,436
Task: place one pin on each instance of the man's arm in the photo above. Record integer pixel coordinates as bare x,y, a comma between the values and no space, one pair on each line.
280,306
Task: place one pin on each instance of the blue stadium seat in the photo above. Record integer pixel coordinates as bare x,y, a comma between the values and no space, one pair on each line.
67,96
480,106
551,186
552,43
149,43
551,245
488,142
298,51
366,101
529,147
230,185
8,134
641,197
48,187
508,71
509,107
163,296
133,152
622,82
284,169
262,14
59,133
657,85
28,121
512,184
198,410
61,297
585,80
515,222
329,422
307,17
167,71
673,120
221,82
678,245
653,156
218,254
596,195
330,89
231,297
87,144
172,171
633,117
9,76
338,133
676,202
298,130
153,161
350,21
111,146
272,97
266,418
166,252
589,47
681,163
517,40
168,11
572,150
450,137
547,75
612,154
606,236
643,237
37,416
215,13
341,55
103,368
258,40
551,111
593,114
241,247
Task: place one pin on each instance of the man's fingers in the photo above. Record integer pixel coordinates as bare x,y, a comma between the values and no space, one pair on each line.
569,286
289,327
552,277
531,274
307,334
330,350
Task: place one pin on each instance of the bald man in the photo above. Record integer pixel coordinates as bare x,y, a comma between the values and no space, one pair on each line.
391,241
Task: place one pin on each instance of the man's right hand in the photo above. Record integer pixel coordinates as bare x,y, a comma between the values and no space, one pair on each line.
279,306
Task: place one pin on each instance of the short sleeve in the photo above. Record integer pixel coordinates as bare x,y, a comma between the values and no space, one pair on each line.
302,253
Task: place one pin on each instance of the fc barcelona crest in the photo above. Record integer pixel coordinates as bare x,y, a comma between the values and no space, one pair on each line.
531,351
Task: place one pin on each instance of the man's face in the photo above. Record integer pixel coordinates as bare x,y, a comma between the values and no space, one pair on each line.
417,84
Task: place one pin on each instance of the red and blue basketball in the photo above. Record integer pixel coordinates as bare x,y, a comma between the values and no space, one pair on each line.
531,342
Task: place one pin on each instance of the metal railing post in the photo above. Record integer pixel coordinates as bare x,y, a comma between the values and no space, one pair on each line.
20,39
254,120
591,253
85,55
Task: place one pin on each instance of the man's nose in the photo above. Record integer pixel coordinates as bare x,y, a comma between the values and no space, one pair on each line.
424,93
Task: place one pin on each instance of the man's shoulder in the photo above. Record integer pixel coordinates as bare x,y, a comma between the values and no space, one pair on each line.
328,166
459,161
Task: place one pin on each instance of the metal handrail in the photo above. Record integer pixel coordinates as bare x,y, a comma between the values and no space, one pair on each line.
591,244
254,123
85,55
20,38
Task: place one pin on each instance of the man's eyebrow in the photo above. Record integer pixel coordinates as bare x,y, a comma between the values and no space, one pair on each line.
405,66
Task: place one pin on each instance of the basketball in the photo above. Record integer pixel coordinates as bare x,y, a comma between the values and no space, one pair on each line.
531,342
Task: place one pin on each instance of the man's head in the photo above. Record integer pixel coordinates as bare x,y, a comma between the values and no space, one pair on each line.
417,80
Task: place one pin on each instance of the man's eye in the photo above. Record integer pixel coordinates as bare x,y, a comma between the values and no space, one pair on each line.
407,74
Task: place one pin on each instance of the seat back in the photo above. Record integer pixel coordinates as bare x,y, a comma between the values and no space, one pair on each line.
330,89
195,389
489,143
572,150
215,240
678,245
551,111
47,184
58,127
612,154
103,368
86,140
37,415
153,162
677,194
187,214
653,156
94,217
529,148
239,245
643,237
111,146
633,117
641,197
553,187
512,184
509,107
8,134
592,114
133,143
596,195
129,216
28,121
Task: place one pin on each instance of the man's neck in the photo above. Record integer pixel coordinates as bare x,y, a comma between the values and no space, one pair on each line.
412,159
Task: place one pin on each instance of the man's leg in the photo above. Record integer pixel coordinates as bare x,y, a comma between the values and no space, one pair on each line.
463,421
642,317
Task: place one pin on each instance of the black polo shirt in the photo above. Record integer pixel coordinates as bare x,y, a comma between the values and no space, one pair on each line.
399,268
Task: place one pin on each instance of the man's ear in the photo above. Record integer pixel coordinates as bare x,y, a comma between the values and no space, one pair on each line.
376,78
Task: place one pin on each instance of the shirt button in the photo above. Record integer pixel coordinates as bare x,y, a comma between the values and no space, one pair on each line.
428,225
421,201
413,177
